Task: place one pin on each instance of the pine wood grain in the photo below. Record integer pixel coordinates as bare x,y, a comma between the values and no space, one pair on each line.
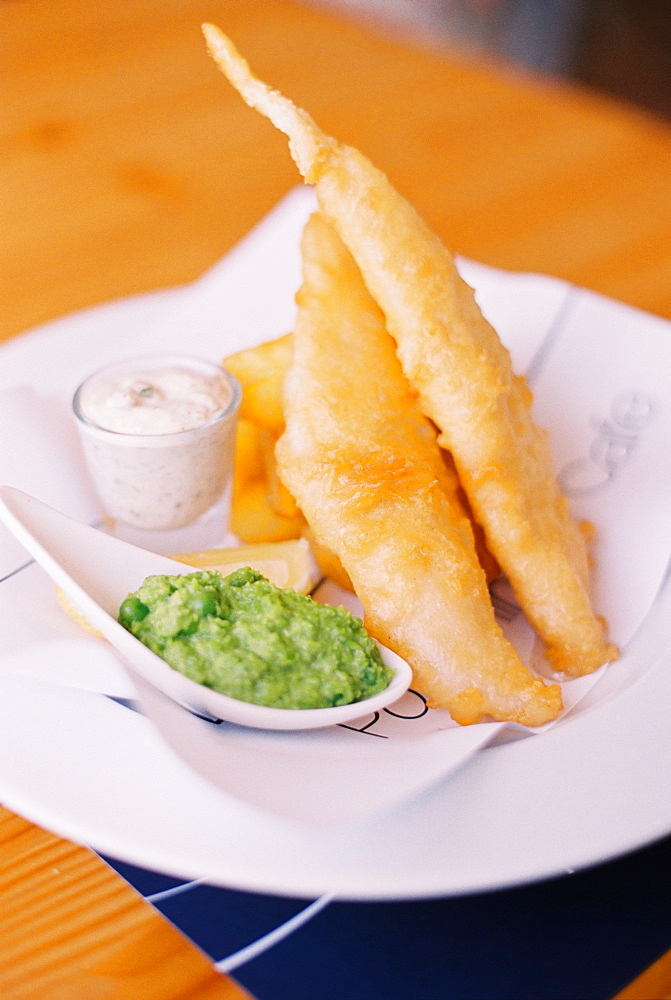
71,927
129,164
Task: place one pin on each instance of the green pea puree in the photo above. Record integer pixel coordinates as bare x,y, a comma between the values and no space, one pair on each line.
246,638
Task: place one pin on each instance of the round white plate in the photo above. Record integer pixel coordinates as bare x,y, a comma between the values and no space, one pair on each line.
94,770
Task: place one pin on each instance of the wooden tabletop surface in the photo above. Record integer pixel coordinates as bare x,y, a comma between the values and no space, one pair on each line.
128,164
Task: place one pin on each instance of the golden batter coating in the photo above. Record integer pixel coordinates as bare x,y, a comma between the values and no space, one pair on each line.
461,372
366,469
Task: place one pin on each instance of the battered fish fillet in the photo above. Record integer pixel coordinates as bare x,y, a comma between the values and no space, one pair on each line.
461,372
366,469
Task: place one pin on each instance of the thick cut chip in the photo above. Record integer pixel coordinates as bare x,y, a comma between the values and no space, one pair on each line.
253,518
366,469
260,371
279,497
461,372
249,457
263,510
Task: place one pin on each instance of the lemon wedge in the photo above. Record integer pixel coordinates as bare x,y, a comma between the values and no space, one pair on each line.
287,564
74,612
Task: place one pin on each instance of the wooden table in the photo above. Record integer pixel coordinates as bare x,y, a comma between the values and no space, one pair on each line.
129,164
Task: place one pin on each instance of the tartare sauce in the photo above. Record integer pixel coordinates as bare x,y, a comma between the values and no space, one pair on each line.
159,438
158,401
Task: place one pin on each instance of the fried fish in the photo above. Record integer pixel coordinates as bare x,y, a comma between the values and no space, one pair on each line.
365,467
461,372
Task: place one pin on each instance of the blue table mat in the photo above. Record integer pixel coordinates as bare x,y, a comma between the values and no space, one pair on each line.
579,937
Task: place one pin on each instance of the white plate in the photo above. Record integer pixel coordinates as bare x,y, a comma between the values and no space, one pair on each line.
595,786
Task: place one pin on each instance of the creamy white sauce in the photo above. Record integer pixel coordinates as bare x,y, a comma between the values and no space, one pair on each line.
159,401
159,441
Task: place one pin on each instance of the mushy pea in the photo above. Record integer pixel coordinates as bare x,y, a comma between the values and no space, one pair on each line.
246,638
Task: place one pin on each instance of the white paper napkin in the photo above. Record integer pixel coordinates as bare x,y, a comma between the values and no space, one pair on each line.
40,455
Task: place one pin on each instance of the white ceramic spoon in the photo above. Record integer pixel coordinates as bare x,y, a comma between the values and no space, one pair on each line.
97,571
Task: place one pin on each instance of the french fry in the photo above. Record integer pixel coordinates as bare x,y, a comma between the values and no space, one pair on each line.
254,520
249,455
260,371
279,497
263,509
